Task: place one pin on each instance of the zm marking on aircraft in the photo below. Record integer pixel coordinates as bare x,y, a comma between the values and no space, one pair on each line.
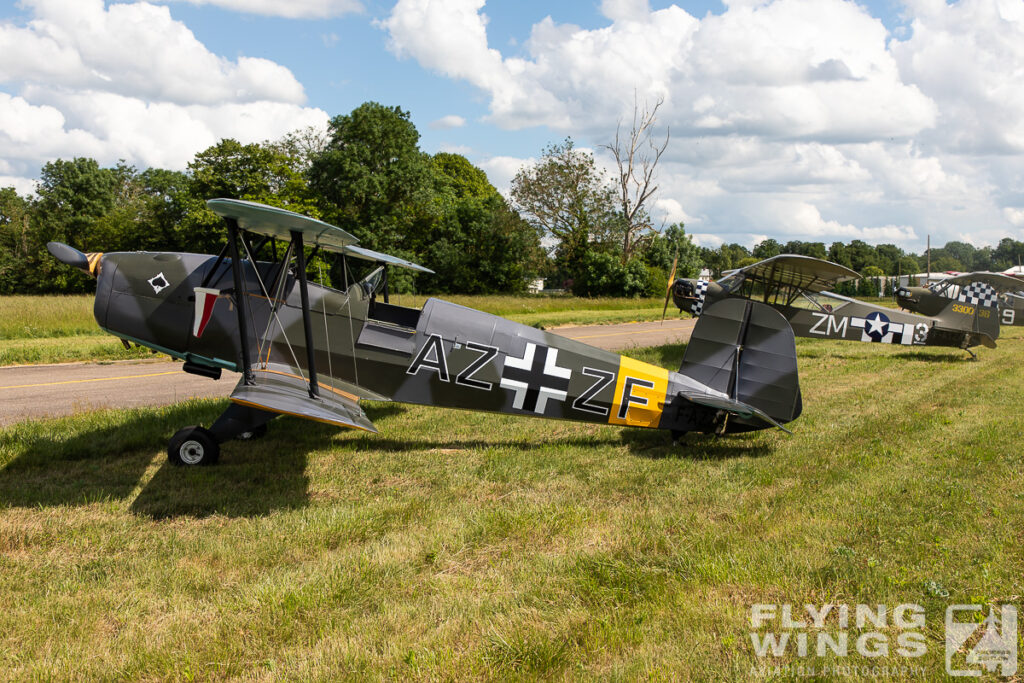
314,352
796,286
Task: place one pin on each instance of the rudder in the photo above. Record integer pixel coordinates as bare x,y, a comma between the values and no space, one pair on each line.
746,350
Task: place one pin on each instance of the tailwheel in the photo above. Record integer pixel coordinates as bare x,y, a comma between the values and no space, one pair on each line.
193,447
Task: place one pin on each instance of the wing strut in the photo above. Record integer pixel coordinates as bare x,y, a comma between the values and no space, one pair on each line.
300,265
236,272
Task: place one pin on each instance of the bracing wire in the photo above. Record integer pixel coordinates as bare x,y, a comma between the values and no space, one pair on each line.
327,328
351,330
273,312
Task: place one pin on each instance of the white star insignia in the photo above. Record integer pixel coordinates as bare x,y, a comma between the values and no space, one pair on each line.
877,325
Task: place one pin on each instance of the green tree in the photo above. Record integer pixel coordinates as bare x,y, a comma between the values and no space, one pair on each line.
839,253
476,244
869,285
372,179
766,249
17,242
566,197
961,251
454,175
888,256
663,249
861,255
1009,252
232,170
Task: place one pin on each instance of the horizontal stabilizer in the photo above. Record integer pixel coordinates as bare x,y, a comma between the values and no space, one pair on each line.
289,395
735,407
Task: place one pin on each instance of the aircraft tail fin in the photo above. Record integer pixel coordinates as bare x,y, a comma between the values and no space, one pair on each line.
983,320
747,351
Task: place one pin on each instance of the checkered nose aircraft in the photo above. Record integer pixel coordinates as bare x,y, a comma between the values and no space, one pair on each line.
797,287
311,351
993,293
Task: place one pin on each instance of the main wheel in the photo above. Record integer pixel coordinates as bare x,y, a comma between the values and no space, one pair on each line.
193,447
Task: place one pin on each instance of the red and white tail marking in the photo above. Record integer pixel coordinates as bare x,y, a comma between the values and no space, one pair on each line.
205,300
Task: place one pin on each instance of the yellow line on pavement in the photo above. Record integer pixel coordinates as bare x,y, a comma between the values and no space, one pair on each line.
621,334
80,381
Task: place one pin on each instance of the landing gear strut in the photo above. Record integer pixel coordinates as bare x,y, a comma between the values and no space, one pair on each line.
197,446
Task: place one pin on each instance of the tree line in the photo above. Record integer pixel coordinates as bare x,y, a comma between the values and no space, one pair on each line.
565,220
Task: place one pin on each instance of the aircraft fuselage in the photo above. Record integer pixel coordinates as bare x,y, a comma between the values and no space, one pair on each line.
442,355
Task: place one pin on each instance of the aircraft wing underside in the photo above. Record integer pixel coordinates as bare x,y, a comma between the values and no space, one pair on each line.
281,391
802,272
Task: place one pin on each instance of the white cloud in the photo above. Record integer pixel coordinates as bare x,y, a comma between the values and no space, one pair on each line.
807,106
704,239
289,9
501,170
464,150
133,49
1014,216
969,57
791,68
672,211
23,186
448,122
127,81
625,10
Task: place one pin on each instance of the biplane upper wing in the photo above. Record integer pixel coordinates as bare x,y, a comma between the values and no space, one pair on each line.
279,390
1003,284
802,272
371,255
271,221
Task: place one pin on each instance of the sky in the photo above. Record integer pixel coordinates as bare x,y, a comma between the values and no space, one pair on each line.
814,120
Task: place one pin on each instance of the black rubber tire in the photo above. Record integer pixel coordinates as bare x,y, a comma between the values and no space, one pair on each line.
255,433
193,447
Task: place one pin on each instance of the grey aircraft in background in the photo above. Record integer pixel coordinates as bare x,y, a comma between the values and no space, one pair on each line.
979,289
797,287
315,352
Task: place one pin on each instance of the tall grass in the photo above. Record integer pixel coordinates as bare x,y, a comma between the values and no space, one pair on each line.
54,329
456,545
35,317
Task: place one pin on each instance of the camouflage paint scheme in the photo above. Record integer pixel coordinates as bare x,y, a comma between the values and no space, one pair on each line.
314,352
795,286
443,355
982,289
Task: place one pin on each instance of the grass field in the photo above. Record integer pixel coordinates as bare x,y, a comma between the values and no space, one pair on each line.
459,546
58,329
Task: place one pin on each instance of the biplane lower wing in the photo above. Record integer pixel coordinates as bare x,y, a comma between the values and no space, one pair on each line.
279,391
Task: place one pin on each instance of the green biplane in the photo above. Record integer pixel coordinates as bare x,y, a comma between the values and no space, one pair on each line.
315,352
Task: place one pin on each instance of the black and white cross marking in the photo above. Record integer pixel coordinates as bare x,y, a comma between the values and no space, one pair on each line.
535,378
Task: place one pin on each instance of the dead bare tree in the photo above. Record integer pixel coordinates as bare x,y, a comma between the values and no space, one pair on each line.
637,158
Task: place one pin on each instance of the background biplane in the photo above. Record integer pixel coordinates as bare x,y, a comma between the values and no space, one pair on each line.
314,352
797,287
